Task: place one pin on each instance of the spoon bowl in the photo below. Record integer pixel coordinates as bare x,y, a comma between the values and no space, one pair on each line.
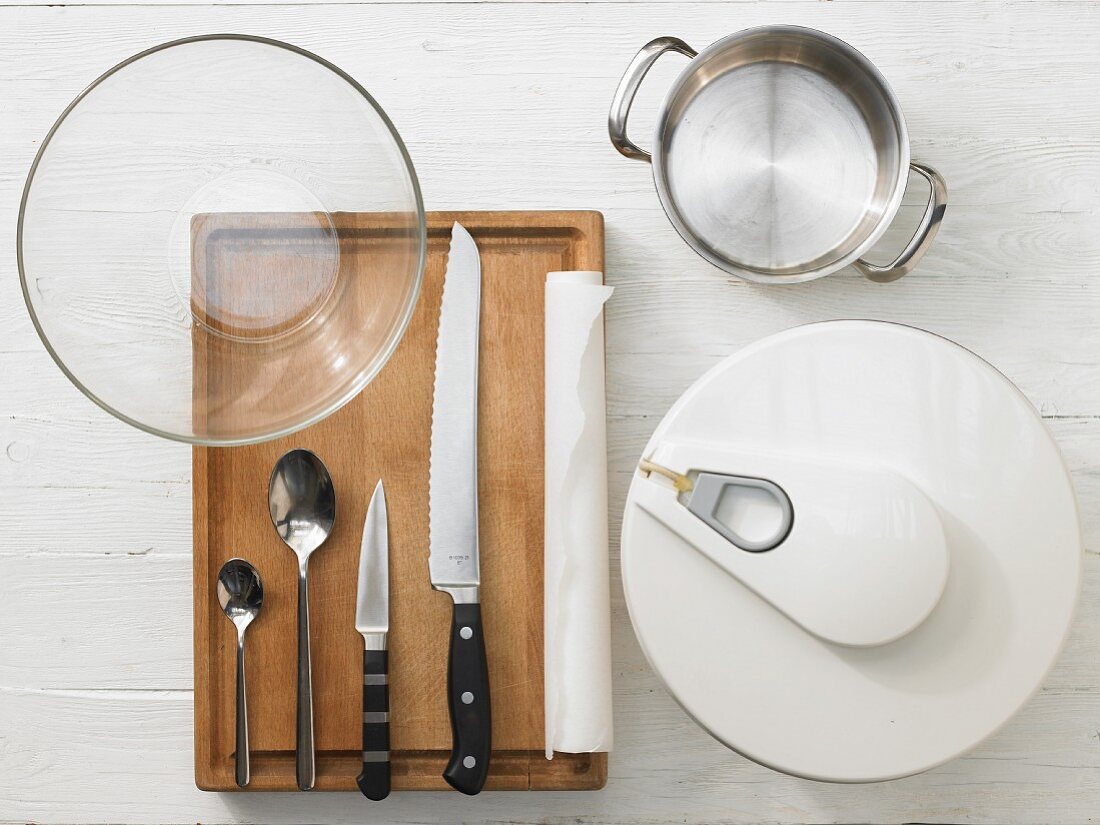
302,501
240,592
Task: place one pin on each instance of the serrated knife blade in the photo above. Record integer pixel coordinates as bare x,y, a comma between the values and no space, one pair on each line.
452,484
453,559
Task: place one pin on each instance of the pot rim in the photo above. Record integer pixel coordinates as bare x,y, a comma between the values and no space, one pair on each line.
764,276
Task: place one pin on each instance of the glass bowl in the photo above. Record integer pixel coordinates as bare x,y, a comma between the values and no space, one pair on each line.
222,239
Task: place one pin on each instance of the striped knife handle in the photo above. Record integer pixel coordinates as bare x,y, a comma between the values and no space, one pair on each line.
374,781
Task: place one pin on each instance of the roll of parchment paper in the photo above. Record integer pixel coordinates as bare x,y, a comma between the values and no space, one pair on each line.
577,627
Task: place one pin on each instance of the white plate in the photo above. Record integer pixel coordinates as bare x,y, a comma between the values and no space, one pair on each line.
926,409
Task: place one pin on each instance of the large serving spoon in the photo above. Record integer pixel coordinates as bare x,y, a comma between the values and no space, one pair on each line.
302,503
241,594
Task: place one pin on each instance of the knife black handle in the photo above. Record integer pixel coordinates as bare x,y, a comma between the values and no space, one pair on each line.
374,781
468,698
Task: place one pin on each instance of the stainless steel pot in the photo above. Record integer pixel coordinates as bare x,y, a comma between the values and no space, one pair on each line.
780,155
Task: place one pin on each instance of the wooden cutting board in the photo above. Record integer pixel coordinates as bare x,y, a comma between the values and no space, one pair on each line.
384,433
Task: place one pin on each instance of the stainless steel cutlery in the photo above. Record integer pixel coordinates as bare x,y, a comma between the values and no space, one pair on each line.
302,504
452,513
241,595
372,620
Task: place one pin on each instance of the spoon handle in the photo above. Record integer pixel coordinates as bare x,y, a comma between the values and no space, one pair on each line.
243,772
305,768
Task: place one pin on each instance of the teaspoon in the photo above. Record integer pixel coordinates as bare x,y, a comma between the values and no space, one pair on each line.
302,503
241,594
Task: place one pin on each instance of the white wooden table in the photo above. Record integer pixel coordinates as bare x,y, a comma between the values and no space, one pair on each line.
504,105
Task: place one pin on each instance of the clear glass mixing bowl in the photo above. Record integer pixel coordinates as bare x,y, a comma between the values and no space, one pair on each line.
222,239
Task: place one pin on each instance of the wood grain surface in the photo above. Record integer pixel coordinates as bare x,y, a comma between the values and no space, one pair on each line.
385,433
504,105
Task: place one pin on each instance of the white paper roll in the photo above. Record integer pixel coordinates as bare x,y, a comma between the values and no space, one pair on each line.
577,625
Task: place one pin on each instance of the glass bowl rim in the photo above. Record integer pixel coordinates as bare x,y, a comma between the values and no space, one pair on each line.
402,324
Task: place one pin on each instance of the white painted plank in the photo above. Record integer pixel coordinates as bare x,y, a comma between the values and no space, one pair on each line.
959,69
80,756
34,3
92,452
96,618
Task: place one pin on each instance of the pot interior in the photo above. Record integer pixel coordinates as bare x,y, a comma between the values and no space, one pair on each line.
782,154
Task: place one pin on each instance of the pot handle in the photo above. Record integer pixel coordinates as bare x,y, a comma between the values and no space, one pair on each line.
919,243
628,87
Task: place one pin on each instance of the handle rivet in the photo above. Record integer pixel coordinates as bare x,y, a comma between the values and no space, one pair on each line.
467,698
469,762
466,632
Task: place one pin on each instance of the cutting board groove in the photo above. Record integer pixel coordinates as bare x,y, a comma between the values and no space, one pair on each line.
384,433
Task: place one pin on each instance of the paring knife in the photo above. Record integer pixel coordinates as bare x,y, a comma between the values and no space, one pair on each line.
372,620
452,491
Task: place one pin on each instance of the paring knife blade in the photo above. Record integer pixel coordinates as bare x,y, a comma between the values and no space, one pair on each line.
453,561
372,620
372,602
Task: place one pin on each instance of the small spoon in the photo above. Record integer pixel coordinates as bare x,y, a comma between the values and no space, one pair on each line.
302,503
241,594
